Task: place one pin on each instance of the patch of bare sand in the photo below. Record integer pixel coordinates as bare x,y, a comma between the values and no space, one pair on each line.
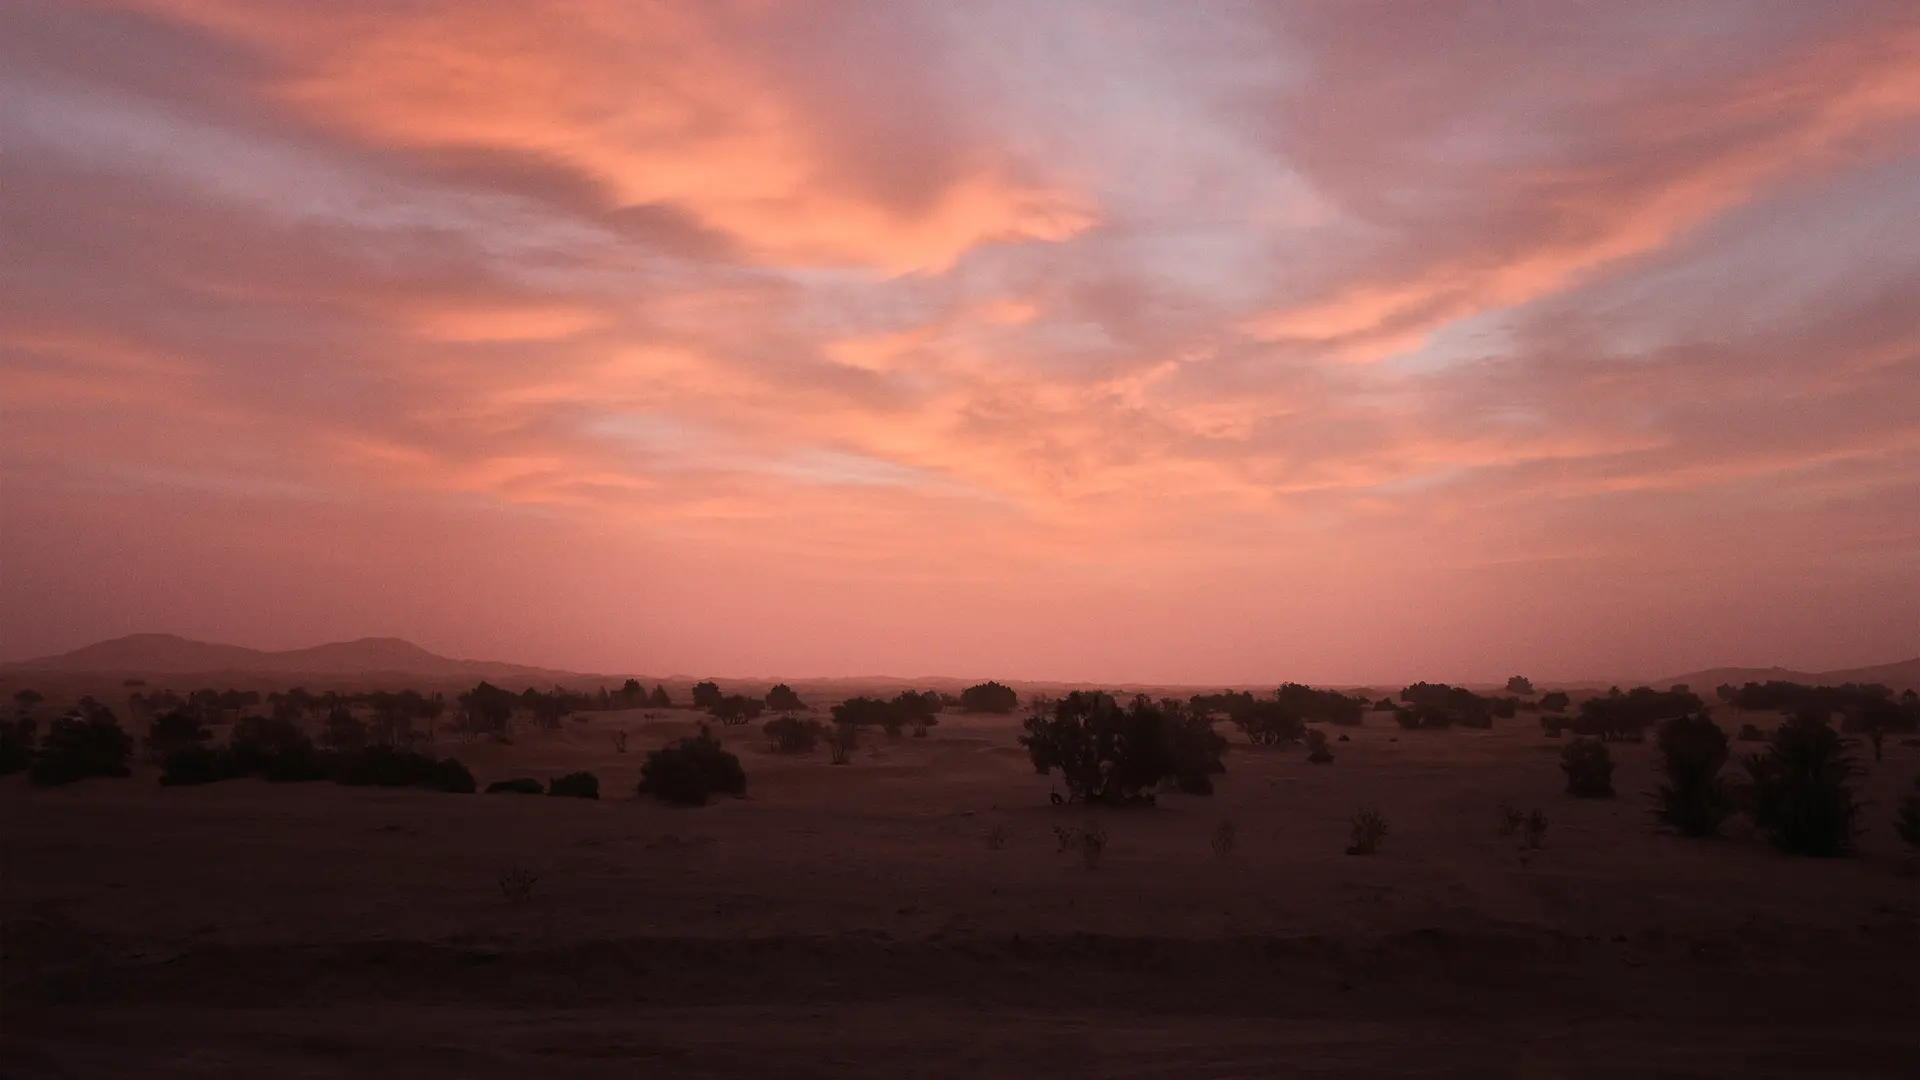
855,920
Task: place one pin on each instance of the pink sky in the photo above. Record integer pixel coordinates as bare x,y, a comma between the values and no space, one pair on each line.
1120,341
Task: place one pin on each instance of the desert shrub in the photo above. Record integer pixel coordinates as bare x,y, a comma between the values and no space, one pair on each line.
619,742
1225,835
1317,750
16,744
1906,820
1369,830
380,766
1797,789
1533,830
517,885
1555,701
1750,733
197,763
1407,717
1553,725
86,742
989,697
691,770
842,741
792,735
1693,800
1589,769
1115,755
577,785
1093,844
520,785
1509,819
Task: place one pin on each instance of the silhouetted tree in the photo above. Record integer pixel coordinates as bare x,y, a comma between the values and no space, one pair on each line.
1107,753
989,697
783,699
659,699
489,708
85,742
735,709
173,731
917,711
706,694
1555,701
1520,685
632,694
24,700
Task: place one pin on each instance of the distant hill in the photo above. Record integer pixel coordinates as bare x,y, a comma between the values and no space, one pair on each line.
1903,675
166,654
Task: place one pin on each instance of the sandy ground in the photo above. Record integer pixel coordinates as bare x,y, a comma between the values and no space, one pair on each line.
856,921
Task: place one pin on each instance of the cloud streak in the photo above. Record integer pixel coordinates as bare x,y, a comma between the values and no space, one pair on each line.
1324,342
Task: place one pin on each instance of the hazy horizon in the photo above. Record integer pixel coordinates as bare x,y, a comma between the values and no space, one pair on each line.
1108,343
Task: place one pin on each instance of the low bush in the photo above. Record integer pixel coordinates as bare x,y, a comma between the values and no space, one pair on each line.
1694,800
1225,836
1369,831
1797,790
692,770
379,766
1750,733
579,785
792,735
523,785
1317,750
1589,769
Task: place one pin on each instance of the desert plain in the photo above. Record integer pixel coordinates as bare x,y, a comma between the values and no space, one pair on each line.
912,913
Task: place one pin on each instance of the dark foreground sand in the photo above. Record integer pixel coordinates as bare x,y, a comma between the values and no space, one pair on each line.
856,921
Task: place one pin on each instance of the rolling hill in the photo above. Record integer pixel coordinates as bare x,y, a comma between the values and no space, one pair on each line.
167,654
1901,675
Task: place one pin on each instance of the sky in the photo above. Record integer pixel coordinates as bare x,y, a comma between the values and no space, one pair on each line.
1199,342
